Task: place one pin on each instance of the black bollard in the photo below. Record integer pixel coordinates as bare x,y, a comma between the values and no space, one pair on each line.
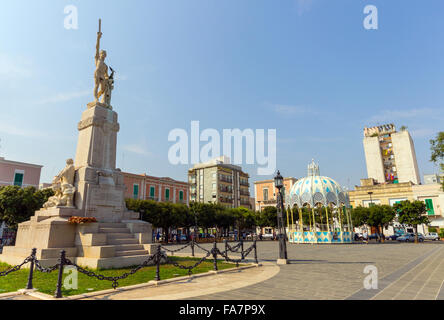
31,269
226,249
58,292
192,247
255,252
242,249
215,255
158,255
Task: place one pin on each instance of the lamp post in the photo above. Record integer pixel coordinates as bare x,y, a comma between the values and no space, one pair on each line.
370,194
279,183
195,221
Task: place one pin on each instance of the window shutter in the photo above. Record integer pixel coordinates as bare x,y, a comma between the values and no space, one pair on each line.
18,179
136,191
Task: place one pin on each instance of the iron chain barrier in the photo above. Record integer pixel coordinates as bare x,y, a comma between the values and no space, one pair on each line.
152,259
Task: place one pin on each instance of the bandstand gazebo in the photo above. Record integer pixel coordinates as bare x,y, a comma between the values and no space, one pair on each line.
324,205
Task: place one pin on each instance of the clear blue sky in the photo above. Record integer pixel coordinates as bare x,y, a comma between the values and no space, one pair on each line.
307,68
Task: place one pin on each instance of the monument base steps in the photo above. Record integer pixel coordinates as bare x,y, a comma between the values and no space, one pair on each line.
96,245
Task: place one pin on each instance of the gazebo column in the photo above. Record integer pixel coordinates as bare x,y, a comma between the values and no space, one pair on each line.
340,223
350,225
314,218
310,218
301,223
314,224
288,221
292,221
328,223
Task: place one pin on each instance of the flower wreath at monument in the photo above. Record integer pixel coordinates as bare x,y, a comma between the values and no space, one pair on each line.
80,220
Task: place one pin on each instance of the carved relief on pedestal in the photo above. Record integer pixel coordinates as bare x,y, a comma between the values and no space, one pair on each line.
63,186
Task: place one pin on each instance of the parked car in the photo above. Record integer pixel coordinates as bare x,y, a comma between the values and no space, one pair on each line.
432,236
393,237
267,236
410,237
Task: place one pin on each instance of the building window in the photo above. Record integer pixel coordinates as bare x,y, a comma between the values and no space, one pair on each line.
265,194
214,186
152,192
181,195
135,191
167,194
429,206
18,178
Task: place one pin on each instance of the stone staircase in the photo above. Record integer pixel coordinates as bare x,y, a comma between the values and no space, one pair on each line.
119,236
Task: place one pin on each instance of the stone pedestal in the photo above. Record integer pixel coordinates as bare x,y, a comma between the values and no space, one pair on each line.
99,185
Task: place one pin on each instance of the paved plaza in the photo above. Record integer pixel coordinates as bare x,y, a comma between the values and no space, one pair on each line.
405,271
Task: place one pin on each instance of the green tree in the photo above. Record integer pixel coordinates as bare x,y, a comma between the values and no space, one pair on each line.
244,218
19,204
223,219
267,217
380,216
162,215
359,216
437,147
412,214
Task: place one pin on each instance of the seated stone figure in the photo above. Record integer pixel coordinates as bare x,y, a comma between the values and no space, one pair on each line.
63,186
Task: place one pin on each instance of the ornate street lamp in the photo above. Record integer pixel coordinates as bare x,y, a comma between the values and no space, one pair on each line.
370,194
279,183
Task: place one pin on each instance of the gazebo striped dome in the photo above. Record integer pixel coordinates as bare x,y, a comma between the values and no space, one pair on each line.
316,189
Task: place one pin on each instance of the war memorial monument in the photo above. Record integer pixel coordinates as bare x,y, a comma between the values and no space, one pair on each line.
90,187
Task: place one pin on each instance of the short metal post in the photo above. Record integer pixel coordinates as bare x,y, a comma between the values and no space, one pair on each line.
58,292
255,252
242,249
226,249
31,269
215,255
158,255
192,247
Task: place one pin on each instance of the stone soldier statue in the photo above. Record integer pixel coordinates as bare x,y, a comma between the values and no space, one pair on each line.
110,87
101,78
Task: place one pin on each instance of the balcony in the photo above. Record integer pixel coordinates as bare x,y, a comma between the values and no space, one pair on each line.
227,179
225,200
225,189
244,183
244,193
269,201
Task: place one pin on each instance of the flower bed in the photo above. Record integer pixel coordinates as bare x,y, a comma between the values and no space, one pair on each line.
80,220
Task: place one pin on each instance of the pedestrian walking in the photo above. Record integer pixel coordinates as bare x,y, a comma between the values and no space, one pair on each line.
365,236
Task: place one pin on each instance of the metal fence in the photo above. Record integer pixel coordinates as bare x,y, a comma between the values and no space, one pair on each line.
152,259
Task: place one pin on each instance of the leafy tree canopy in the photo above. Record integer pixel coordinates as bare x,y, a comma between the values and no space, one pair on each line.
19,204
